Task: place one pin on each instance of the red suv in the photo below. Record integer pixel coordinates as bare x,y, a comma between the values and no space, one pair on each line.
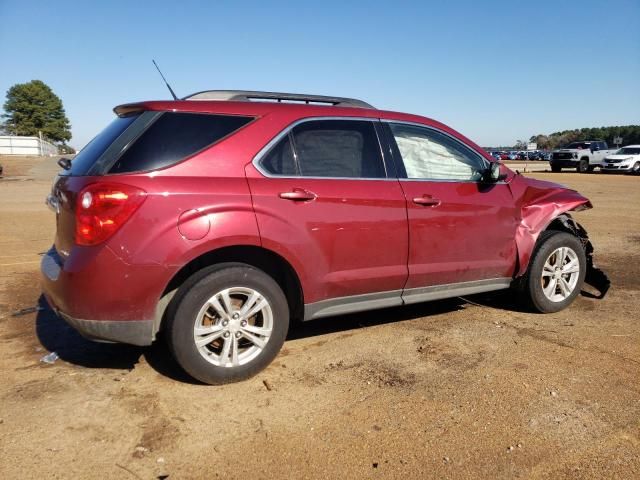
219,218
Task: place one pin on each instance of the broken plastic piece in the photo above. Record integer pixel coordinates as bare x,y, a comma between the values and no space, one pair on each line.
50,358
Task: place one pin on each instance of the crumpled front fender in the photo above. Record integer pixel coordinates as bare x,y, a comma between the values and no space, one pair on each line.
542,203
538,204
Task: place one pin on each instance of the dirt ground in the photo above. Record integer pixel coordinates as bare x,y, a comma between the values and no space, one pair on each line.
464,388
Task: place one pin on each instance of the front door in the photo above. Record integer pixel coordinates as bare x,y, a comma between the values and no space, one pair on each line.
461,230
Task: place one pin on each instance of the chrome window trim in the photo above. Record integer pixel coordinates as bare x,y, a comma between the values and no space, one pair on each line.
264,151
485,162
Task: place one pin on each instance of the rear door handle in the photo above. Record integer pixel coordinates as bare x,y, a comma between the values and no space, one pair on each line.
298,195
427,201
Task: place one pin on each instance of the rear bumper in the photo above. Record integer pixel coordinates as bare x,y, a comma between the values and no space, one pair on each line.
134,332
103,297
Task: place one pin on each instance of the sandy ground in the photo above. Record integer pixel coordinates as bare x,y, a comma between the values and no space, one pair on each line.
465,388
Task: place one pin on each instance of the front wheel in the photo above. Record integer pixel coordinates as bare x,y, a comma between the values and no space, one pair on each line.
635,170
229,322
555,169
556,272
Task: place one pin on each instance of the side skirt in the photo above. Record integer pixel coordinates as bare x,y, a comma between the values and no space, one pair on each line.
372,301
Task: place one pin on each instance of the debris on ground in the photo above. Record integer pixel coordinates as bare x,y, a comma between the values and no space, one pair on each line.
267,385
140,451
50,358
26,311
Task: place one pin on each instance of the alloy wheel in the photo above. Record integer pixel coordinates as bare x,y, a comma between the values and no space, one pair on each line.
560,274
233,327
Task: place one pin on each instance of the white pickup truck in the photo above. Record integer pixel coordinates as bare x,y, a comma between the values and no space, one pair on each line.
583,156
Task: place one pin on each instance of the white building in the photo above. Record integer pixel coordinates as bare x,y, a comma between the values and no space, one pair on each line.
10,145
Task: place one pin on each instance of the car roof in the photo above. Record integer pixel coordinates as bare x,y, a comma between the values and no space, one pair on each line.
297,109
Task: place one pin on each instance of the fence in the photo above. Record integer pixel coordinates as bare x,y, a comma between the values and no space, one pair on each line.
11,145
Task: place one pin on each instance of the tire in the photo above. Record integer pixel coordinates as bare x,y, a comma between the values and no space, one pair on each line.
583,166
555,169
209,307
538,289
635,170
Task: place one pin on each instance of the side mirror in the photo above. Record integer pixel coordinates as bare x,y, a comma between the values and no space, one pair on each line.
493,174
64,163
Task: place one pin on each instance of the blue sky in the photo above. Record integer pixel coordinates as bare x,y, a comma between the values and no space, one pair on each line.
497,71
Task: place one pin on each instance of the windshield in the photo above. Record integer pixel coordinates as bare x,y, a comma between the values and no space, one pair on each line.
84,160
579,145
629,151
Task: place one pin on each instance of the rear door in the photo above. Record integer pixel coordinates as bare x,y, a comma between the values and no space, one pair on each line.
324,199
461,230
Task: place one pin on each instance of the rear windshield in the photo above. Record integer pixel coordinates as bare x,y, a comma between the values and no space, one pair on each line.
152,140
84,160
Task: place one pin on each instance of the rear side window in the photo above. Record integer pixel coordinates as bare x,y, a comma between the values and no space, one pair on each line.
280,160
86,158
328,148
174,137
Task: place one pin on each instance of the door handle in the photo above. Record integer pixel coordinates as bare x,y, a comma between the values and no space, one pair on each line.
427,201
298,195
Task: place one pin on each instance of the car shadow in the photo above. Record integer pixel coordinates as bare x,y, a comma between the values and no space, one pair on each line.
56,336
355,321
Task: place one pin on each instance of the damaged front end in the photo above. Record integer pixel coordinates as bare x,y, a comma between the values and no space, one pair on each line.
594,277
544,206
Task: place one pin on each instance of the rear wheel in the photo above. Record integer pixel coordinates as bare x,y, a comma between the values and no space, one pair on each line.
556,272
583,166
228,323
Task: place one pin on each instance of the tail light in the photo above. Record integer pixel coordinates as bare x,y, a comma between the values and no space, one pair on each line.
101,209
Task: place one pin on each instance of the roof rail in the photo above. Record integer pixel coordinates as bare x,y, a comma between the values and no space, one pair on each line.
248,96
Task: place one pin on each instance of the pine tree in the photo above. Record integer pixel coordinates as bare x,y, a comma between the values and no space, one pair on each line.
32,107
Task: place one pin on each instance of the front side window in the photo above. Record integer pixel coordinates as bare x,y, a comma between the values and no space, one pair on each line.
328,148
430,155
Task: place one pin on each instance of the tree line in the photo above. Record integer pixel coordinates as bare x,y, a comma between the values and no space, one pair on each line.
630,136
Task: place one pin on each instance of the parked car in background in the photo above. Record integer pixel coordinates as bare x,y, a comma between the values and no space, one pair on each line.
219,218
583,156
625,160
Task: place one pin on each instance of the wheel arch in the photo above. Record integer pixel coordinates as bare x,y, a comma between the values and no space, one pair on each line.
537,220
259,257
